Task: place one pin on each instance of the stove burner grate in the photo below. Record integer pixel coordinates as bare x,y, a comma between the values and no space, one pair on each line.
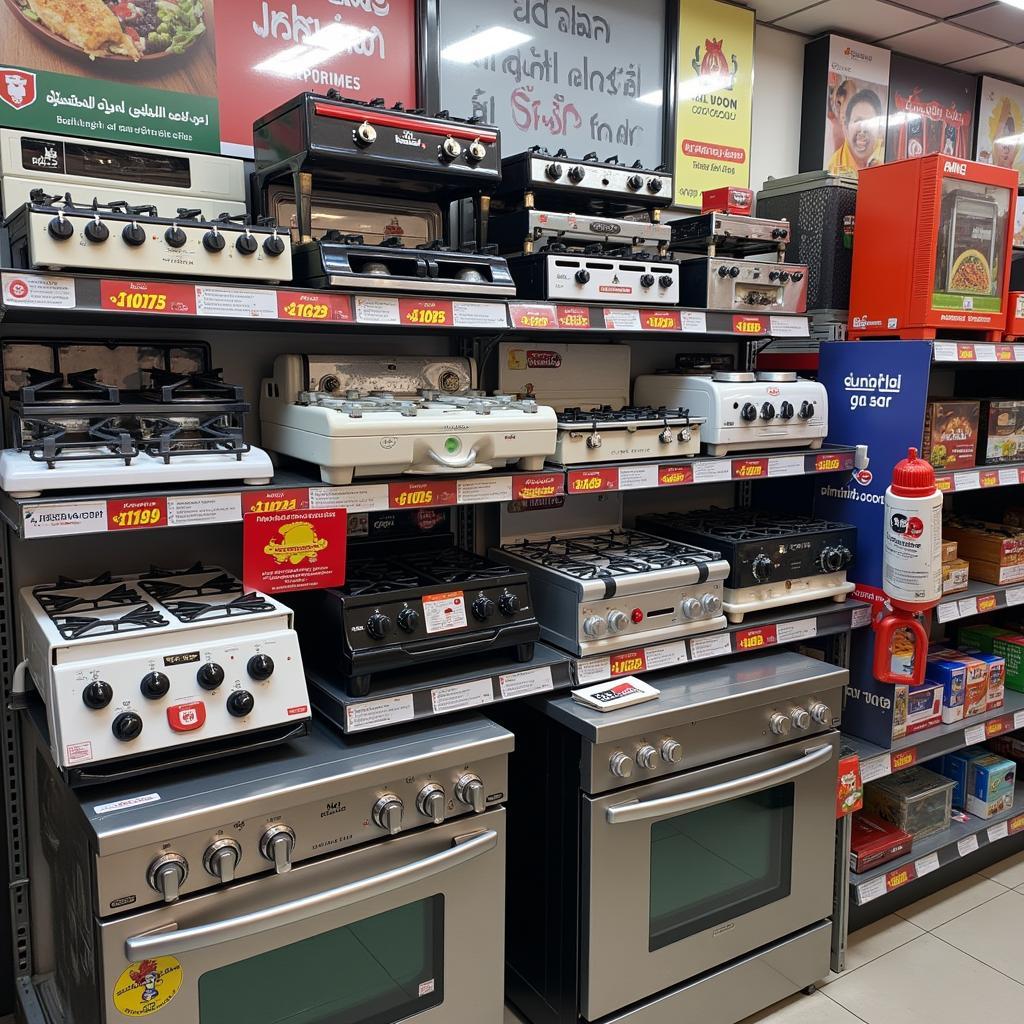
251,603
206,385
165,589
607,415
55,601
73,627
47,386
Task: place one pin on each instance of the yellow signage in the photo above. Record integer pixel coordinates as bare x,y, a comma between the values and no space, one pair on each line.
713,98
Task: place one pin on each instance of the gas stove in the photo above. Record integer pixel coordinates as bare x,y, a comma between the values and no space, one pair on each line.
65,231
520,231
370,416
775,560
399,609
734,284
725,234
595,273
608,434
605,591
744,411
138,666
74,430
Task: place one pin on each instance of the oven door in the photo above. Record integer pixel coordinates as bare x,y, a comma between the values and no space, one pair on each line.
408,929
686,873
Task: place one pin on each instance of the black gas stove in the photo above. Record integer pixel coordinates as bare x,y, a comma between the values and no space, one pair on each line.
420,604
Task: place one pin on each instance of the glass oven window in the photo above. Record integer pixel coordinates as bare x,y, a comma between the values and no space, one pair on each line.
712,865
377,971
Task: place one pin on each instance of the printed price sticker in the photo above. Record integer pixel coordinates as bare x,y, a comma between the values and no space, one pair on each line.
927,864
1014,596
967,845
422,493
899,876
315,306
147,297
573,318
622,319
998,831
529,680
943,483
1005,354
373,714
474,491
365,498
900,759
997,726
373,310
540,485
459,696
61,520
877,767
871,890
975,734
625,663
970,481
675,476
425,312
944,352
532,317
968,606
660,319
693,322
202,509
38,290
749,325
136,514
948,612
479,314
444,612
1018,350
289,499
593,670
786,465
986,603
989,478
757,638
965,353
710,647
636,478
801,629
860,617
830,462
593,481
1016,824
749,469
789,326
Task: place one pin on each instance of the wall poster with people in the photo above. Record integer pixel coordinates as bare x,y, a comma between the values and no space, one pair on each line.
1001,124
858,98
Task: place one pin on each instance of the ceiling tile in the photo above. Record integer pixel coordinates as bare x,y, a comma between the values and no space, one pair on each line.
943,8
769,10
867,19
941,43
1005,63
999,20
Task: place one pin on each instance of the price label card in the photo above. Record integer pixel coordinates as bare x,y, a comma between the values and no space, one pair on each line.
967,845
529,680
622,319
998,831
986,603
693,322
830,462
749,469
757,638
997,726
635,478
354,497
373,714
965,353
1018,720
898,877
288,499
789,326
712,471
877,767
1005,354
593,670
860,617
148,297
801,629
425,312
900,759
593,481
244,303
479,314
136,514
304,549
989,478
422,493
474,491
975,734
459,696
60,520
47,292
750,325
625,663
986,353
373,310
323,307
948,612
927,864
710,647
968,606
1018,353
1009,477
675,476
944,352
871,890
969,481
786,465
532,316
660,319
573,318
202,509
1014,596
666,655
537,485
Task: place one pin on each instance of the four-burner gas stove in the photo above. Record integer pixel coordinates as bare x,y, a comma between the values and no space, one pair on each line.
607,434
139,665
775,559
605,591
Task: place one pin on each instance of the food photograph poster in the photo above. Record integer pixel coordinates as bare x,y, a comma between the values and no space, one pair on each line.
193,74
713,98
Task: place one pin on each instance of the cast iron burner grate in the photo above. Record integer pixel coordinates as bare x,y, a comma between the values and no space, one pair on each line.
73,627
192,611
57,602
165,589
606,414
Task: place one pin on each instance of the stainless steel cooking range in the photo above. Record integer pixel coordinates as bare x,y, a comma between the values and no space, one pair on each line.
329,880
688,846
607,434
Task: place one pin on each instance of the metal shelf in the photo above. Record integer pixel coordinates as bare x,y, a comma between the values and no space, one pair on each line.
978,599
977,352
1008,474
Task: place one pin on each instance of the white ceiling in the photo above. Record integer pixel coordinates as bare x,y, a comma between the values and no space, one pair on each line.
978,36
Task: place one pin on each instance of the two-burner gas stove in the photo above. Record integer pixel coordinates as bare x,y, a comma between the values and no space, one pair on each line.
775,560
137,667
605,591
370,416
608,434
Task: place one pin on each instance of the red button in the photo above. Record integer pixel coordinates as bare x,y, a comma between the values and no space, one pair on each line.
186,717
638,615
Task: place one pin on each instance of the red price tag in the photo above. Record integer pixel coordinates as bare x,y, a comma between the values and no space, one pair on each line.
136,514
943,483
661,320
749,469
756,638
829,462
593,481
625,663
541,485
903,759
998,726
1004,354
966,353
1016,824
147,297
573,318
425,312
322,306
421,494
291,499
989,478
674,476
532,316
749,325
987,603
300,550
900,876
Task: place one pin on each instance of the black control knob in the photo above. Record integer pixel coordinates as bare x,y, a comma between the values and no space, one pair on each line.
213,241
646,280
60,228
553,171
734,271
761,568
797,276
260,667
635,182
246,244
806,410
748,412
582,276
654,185
408,620
774,276
767,411
379,625
784,276
175,237
274,245
97,694
133,234
96,231
126,726
508,603
831,560
666,280
483,609
779,232
154,685
723,271
786,411
210,676
577,174
240,703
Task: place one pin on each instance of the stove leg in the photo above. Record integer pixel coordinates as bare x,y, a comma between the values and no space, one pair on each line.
810,990
524,653
336,474
358,686
532,463
839,598
734,617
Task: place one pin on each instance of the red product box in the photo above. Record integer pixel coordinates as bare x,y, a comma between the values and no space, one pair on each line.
873,842
728,199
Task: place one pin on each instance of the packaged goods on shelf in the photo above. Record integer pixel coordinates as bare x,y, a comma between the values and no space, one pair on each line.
981,635
955,576
996,676
948,551
951,434
1012,649
946,665
995,551
1009,746
919,801
954,766
954,686
874,841
1001,431
883,713
983,781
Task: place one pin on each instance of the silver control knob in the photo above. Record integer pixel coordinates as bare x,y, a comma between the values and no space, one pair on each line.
692,608
821,713
617,621
470,790
620,764
712,604
780,724
221,859
594,440
800,718
595,625
387,813
366,134
666,436
167,874
430,802
671,751
450,149
646,756
277,845
476,152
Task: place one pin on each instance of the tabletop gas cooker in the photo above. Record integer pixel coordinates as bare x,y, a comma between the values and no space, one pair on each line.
419,604
726,234
63,231
140,666
744,411
609,434
73,430
775,560
369,416
605,591
734,284
515,231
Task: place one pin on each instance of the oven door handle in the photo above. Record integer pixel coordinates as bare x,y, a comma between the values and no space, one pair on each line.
172,942
683,803
462,462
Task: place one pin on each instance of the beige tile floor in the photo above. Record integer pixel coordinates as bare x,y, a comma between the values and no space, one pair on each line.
935,962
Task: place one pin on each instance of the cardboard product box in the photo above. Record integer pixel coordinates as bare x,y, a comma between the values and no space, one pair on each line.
883,713
955,576
990,782
1001,430
979,541
874,841
954,766
948,550
953,677
981,635
951,434
917,800
996,677
1009,746
948,667
1000,575
1011,648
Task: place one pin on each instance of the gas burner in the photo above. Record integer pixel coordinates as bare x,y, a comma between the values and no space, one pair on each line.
194,611
45,387
74,627
53,441
164,589
202,386
606,415
168,439
378,576
58,601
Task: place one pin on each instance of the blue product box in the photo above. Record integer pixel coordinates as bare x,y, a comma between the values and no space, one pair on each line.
990,781
953,677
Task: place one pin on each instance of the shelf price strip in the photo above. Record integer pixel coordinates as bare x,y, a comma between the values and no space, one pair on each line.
315,307
136,514
148,297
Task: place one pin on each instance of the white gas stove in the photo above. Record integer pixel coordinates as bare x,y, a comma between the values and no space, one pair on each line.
744,411
371,416
134,665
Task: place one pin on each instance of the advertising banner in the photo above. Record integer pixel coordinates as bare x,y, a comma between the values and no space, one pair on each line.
713,98
585,77
931,110
193,74
1001,124
303,549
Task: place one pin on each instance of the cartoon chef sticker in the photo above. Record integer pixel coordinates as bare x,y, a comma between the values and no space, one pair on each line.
147,986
